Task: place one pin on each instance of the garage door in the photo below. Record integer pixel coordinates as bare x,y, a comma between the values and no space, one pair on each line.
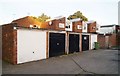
73,43
31,45
56,44
85,42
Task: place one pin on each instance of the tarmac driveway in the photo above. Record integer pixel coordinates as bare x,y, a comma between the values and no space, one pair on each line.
87,62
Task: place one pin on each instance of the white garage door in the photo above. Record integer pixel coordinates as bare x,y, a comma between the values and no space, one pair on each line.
93,39
31,45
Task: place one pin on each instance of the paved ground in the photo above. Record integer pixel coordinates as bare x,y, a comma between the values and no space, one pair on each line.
88,62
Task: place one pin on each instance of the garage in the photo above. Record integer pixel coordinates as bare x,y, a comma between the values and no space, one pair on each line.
31,45
56,44
85,42
73,43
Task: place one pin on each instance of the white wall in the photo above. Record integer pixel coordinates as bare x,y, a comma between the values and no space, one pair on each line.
69,29
93,39
31,45
84,29
107,30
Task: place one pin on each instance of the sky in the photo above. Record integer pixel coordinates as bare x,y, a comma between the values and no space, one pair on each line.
105,12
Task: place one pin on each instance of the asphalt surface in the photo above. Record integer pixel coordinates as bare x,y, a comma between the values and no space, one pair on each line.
87,62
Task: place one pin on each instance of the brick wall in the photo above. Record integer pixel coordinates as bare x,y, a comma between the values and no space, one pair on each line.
9,48
61,20
54,24
113,40
75,25
118,39
27,21
101,41
92,27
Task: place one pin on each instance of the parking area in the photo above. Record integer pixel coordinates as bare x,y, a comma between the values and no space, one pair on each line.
87,62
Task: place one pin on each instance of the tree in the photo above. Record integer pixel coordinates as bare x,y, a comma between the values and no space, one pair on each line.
77,14
42,17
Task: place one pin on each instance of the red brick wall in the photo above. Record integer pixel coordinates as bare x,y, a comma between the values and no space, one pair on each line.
112,40
92,27
55,24
75,24
101,41
9,48
27,21
118,39
62,20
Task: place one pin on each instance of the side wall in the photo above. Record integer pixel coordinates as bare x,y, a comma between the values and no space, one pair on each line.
93,39
101,41
75,26
9,44
92,27
113,40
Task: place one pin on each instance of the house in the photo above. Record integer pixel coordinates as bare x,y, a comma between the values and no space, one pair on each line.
57,23
108,36
92,26
26,39
23,44
29,21
74,25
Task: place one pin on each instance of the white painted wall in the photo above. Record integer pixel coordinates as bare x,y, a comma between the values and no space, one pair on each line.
93,39
29,41
107,30
69,29
84,29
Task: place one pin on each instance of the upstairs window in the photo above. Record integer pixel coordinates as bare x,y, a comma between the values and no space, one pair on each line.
68,26
79,26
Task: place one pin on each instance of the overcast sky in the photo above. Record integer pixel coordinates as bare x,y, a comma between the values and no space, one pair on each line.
103,11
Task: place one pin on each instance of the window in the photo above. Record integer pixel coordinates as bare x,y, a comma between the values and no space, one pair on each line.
93,28
50,23
68,26
61,25
79,26
84,28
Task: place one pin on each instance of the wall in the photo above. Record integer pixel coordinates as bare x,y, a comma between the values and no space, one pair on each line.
60,21
92,27
9,43
107,30
107,40
101,41
31,45
27,21
75,26
85,26
93,39
113,40
69,26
